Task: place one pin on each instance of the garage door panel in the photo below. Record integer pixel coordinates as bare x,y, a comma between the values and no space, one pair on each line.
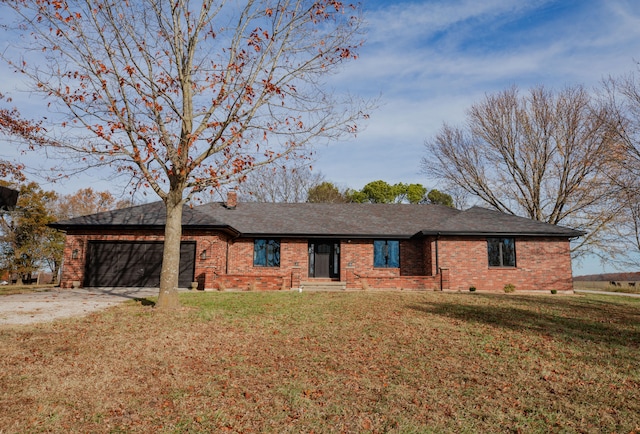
187,264
134,264
117,264
149,265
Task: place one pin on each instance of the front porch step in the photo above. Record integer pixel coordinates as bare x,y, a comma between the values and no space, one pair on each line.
323,285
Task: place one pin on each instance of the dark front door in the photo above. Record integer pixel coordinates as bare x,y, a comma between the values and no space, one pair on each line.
324,259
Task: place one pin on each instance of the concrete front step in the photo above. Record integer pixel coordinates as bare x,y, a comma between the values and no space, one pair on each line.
323,285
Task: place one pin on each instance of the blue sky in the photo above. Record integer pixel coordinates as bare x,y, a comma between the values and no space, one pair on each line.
429,60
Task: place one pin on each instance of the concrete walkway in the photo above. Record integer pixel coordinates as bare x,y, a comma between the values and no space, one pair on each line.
46,306
593,291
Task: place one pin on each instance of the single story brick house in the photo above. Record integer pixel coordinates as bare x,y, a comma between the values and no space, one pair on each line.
275,246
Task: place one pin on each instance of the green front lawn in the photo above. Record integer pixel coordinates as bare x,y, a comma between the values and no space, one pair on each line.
401,362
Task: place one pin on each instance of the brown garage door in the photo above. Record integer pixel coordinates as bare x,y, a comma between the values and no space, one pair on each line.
134,264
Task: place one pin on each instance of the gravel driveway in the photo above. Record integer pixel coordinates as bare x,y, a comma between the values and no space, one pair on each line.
45,306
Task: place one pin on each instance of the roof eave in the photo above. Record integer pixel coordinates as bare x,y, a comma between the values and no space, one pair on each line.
574,234
111,228
324,236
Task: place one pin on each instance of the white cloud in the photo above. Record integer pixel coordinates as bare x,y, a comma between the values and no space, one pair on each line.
399,24
423,85
431,60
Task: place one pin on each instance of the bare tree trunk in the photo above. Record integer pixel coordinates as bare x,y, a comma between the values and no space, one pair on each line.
168,296
55,278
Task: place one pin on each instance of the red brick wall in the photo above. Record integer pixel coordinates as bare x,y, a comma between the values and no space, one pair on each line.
428,247
215,262
358,270
359,254
214,243
73,268
242,274
292,252
541,264
412,258
356,266
228,263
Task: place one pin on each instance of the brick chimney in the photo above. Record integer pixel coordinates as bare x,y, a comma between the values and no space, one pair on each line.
232,200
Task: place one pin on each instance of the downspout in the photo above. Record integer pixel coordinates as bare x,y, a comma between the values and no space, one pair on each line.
226,259
437,260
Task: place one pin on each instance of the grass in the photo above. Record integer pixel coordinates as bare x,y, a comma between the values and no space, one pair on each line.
611,288
399,362
24,289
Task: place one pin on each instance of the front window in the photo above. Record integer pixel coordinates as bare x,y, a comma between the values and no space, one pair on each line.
386,253
502,252
266,253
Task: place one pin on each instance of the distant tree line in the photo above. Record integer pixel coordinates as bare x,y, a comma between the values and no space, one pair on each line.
301,184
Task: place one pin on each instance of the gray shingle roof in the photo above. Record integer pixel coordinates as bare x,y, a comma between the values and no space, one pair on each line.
482,221
331,220
326,220
147,215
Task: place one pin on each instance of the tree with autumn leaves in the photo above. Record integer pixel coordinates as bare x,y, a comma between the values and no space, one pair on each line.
25,240
27,244
12,124
185,96
87,201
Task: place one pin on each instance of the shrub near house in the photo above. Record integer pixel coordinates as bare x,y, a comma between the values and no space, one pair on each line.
275,246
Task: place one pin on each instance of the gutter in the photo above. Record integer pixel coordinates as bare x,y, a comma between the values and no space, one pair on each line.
437,258
575,234
317,236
